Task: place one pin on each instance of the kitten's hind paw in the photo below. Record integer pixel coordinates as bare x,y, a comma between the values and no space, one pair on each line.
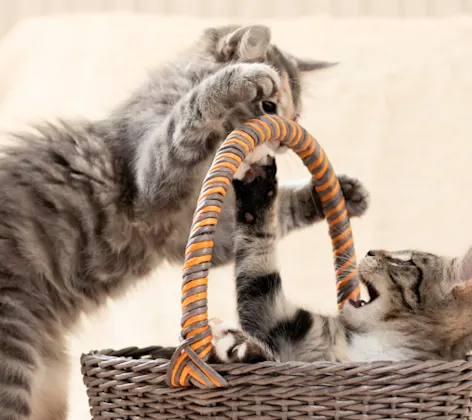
355,194
231,345
227,342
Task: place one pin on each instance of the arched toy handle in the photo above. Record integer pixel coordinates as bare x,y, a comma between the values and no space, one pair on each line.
188,364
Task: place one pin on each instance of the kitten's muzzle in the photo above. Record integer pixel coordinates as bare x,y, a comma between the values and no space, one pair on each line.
371,289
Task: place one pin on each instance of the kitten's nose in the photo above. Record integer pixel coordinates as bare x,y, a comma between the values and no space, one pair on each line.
378,253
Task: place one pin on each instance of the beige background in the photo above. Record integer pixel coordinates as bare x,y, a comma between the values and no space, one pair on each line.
13,11
397,112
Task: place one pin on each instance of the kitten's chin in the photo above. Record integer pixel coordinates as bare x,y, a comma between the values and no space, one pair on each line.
361,316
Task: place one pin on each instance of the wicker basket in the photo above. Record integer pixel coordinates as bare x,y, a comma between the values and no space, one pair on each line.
134,384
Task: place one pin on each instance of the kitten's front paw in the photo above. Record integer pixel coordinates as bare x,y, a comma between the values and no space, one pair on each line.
254,82
355,194
256,188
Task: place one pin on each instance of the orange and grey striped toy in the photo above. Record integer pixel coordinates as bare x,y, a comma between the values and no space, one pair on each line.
188,362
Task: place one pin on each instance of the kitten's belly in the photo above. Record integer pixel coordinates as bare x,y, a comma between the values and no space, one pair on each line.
378,346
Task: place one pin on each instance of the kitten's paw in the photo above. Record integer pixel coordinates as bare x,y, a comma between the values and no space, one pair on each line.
254,82
355,194
231,345
228,341
256,190
260,155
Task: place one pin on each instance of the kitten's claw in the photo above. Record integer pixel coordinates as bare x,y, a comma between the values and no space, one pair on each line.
355,194
256,166
260,155
262,170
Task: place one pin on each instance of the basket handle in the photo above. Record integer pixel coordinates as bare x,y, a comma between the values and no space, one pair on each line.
188,364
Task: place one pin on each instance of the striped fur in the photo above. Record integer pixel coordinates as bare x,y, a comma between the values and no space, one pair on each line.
88,208
289,332
420,304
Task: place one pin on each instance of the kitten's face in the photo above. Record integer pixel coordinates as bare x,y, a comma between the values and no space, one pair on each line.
412,289
252,43
399,281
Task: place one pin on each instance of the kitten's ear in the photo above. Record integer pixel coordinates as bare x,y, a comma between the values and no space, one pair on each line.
248,42
307,65
462,276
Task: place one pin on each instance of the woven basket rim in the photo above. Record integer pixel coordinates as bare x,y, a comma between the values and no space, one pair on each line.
111,354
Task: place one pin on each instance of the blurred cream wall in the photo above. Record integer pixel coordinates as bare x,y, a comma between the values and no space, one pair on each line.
13,11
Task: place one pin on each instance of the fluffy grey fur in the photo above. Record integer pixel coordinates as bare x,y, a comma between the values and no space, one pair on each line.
87,208
419,308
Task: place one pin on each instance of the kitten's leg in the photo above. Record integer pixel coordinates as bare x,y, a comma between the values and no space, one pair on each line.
168,161
263,310
50,389
258,282
301,206
19,359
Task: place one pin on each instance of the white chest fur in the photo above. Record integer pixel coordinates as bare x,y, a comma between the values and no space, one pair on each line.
379,346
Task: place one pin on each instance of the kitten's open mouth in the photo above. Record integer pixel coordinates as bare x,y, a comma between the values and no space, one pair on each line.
373,294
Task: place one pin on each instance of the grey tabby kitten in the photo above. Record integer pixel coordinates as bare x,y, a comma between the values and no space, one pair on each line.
419,308
87,208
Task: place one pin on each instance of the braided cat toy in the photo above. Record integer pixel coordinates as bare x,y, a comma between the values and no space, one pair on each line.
187,364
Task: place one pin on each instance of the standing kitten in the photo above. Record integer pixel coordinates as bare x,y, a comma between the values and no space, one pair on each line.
87,208
420,304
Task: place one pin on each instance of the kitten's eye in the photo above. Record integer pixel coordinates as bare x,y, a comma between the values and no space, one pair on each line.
400,263
401,258
269,107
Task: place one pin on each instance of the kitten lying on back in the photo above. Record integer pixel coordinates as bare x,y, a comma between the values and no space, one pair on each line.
420,304
88,208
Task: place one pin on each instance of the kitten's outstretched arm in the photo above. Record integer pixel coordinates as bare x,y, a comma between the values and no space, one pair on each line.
300,206
263,309
168,161
284,331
